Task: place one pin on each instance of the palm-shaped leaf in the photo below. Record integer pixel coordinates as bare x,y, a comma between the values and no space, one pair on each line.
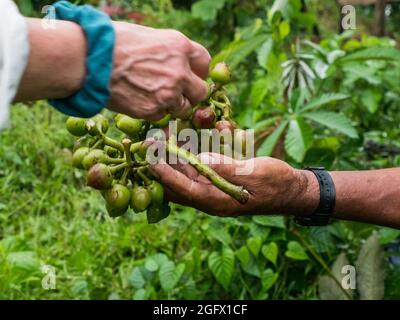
298,139
323,100
334,121
269,144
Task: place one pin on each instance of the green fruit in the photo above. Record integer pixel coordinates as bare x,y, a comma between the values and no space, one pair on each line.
221,73
85,141
99,177
156,192
93,157
78,157
157,212
129,126
141,199
118,198
76,126
115,212
97,125
162,122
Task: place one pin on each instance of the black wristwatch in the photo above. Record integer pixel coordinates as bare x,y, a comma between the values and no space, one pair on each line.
322,215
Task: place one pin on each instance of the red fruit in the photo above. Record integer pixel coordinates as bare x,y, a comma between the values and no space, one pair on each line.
99,177
225,125
203,118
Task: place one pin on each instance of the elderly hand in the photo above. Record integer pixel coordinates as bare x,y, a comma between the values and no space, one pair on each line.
274,186
156,72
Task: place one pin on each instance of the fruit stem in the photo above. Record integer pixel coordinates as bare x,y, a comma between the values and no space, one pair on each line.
237,192
113,143
127,149
115,160
119,167
145,178
124,177
135,147
226,111
96,144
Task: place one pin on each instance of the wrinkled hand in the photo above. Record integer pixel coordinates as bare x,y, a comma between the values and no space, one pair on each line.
274,186
156,71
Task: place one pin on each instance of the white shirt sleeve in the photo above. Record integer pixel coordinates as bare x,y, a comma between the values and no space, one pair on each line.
14,53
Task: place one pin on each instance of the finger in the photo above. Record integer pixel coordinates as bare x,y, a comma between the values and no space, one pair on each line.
225,166
181,110
195,89
200,60
184,188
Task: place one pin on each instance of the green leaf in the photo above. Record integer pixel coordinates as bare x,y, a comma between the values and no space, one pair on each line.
278,7
136,279
267,147
284,29
140,294
328,289
151,264
372,53
264,52
25,260
170,275
254,244
387,235
221,265
270,221
334,121
264,124
218,232
296,251
238,50
243,254
321,239
371,99
258,92
270,252
323,100
207,10
268,279
370,266
298,139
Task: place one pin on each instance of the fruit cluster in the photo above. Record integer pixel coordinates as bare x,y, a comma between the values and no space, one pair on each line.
119,168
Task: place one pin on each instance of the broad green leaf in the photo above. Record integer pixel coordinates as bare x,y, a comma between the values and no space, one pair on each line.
25,260
268,279
370,266
372,53
151,264
270,221
284,29
207,10
329,289
258,92
264,52
221,265
278,7
254,244
371,99
323,100
238,50
218,232
140,294
321,239
298,139
243,254
296,251
136,279
270,252
334,121
267,147
387,235
170,275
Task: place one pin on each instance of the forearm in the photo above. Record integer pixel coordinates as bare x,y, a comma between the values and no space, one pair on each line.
56,66
366,196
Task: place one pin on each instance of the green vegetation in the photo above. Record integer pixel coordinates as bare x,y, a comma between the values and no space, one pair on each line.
317,98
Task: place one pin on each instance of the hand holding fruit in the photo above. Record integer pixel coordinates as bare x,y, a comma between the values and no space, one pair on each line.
120,169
